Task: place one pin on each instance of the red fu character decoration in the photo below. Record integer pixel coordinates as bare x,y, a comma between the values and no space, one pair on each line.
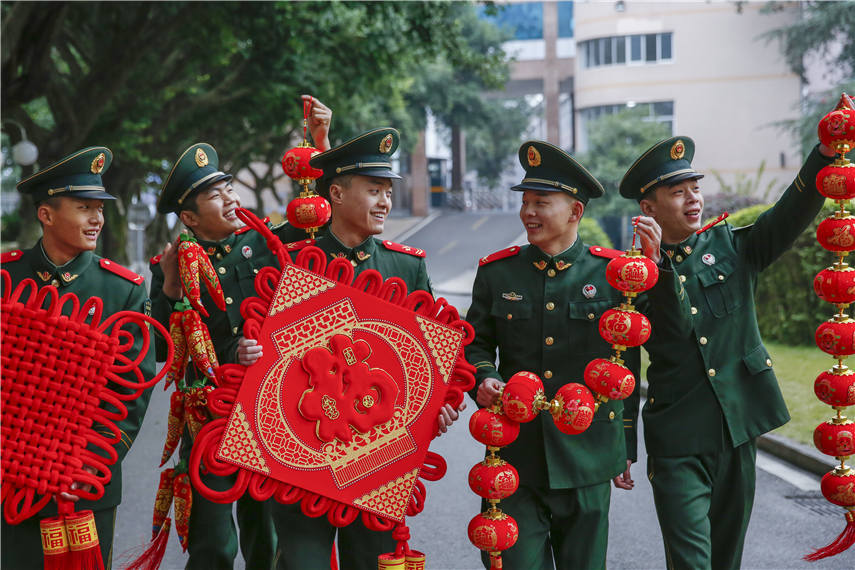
836,284
308,211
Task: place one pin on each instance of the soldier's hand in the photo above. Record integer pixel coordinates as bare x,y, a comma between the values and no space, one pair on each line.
169,266
447,416
489,391
248,351
319,122
85,487
651,237
624,480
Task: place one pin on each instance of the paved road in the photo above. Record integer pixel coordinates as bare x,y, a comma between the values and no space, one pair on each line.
790,517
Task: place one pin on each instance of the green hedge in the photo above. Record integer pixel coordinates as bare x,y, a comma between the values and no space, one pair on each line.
788,311
592,233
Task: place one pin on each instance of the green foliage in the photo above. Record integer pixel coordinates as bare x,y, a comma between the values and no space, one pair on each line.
745,216
489,143
614,143
592,233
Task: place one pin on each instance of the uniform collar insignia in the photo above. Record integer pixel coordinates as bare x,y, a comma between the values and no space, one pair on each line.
362,255
211,250
512,296
227,248
669,252
561,265
541,265
43,275
68,277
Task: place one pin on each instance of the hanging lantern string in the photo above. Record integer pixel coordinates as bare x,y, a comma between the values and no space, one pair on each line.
721,218
634,230
307,109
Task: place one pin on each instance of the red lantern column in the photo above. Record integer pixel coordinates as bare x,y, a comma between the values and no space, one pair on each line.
836,285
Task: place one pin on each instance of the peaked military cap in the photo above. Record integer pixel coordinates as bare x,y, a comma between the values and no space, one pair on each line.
548,168
666,162
198,167
369,154
78,175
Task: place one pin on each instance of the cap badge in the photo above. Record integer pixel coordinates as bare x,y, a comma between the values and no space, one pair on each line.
708,259
533,156
98,163
246,251
678,150
589,291
512,296
201,158
386,143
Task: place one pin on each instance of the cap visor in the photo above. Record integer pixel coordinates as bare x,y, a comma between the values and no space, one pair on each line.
376,173
214,180
681,177
91,194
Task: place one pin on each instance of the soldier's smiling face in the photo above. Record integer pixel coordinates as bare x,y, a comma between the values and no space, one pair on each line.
360,207
550,219
678,209
214,218
71,225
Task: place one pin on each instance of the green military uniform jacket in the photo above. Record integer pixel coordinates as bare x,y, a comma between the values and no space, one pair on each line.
89,275
714,387
389,258
542,312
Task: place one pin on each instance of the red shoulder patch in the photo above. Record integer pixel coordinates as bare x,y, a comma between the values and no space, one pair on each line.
392,246
121,271
9,256
155,260
298,245
605,252
502,254
245,229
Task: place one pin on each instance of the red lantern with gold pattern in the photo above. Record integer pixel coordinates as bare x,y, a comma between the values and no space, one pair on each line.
494,478
492,429
836,387
624,327
632,273
837,181
309,211
835,284
493,530
837,130
838,486
609,379
295,163
835,439
522,397
836,336
572,408
837,233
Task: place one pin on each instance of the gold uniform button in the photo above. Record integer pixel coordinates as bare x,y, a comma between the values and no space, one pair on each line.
702,340
711,372
221,270
255,271
550,305
55,283
219,256
510,316
652,400
229,300
591,316
547,374
549,340
682,278
551,273
611,415
768,362
679,258
694,310
721,277
234,330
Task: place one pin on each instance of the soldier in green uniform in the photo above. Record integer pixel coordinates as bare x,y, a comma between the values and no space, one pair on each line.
712,391
540,305
69,197
358,183
205,202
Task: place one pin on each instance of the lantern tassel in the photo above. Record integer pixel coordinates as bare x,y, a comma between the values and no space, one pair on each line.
840,544
496,560
152,557
83,542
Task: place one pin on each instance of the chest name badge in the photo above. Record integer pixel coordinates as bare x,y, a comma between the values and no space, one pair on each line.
512,296
708,259
589,291
246,251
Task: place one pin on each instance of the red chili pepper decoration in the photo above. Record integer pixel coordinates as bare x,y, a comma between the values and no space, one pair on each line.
179,362
195,337
183,498
212,282
175,425
162,501
188,270
196,409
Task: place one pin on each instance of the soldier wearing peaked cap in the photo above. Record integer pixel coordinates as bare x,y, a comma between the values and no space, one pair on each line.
358,183
712,389
539,305
202,196
69,197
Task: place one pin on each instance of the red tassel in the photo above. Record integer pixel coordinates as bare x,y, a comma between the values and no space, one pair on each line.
152,557
333,559
55,543
495,560
83,542
841,543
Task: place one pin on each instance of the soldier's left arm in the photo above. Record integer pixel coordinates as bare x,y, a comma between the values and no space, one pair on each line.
422,281
777,228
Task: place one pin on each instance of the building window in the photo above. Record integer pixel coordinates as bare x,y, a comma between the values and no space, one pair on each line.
623,50
565,19
525,21
658,111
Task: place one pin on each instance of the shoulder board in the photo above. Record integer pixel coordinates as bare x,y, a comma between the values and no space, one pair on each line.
9,256
513,250
155,260
392,246
121,271
298,245
245,229
605,252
